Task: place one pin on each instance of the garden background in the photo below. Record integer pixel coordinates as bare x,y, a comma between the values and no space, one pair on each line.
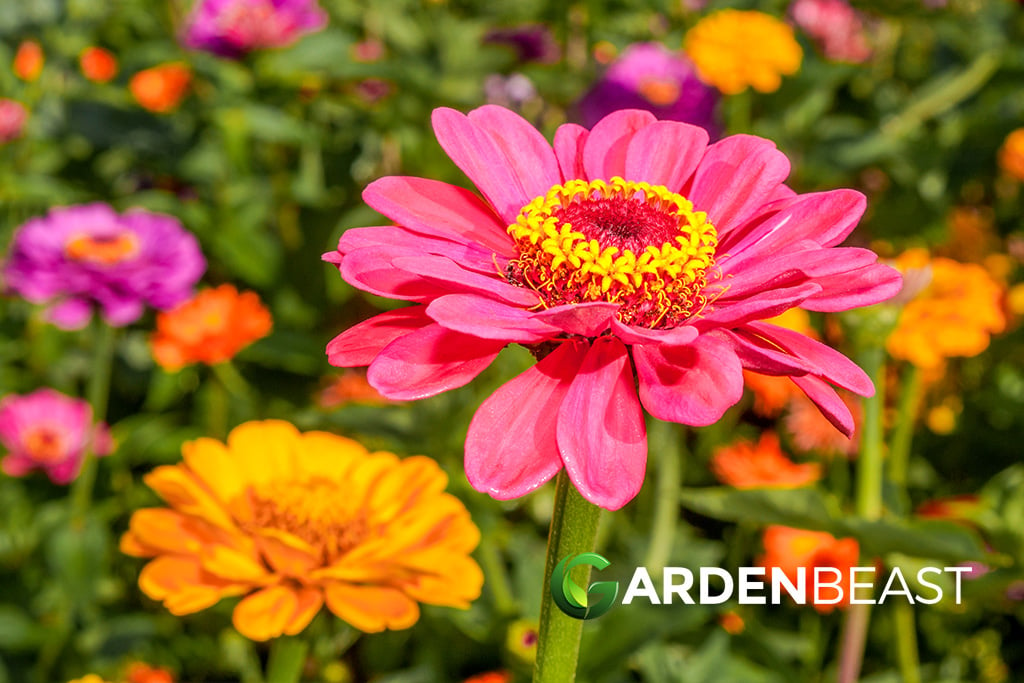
262,155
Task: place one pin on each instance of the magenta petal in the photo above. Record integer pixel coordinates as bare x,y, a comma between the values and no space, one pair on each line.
862,287
665,153
737,176
435,208
489,319
70,314
675,336
586,319
392,242
823,360
828,402
693,384
359,345
604,154
601,432
508,165
767,304
511,447
453,278
569,141
762,357
372,270
428,361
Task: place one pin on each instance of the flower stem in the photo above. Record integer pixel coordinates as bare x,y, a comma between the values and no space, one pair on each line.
910,399
98,394
573,531
868,505
737,112
667,445
287,660
906,642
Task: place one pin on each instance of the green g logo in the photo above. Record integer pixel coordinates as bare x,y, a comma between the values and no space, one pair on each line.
575,601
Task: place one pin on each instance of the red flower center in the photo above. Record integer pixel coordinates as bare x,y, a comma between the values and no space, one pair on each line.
634,244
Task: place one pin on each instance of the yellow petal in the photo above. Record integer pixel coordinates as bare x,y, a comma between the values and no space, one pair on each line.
328,455
265,613
215,466
182,490
267,448
234,565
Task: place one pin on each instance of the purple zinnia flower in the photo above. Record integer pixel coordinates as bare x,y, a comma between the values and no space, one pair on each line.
651,77
531,42
49,431
77,256
231,28
12,119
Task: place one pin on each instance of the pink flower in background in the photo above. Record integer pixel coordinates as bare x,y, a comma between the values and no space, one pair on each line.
231,28
46,430
12,119
836,28
650,76
79,256
636,263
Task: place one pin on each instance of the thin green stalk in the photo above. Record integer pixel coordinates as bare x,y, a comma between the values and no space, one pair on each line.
906,642
737,112
98,394
868,504
573,530
910,400
667,440
496,575
287,660
217,409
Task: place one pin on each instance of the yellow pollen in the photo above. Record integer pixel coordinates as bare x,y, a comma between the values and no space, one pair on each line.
632,243
312,509
104,250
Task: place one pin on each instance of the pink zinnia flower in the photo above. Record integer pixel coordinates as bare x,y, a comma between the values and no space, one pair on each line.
79,256
836,28
46,430
231,28
632,252
12,119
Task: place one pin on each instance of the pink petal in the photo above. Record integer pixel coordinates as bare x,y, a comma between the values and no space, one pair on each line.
511,446
761,357
737,176
767,304
453,278
828,402
359,345
675,336
862,287
435,208
586,319
392,242
693,384
429,361
569,141
823,360
489,319
665,153
373,270
501,153
824,217
601,432
604,154
70,314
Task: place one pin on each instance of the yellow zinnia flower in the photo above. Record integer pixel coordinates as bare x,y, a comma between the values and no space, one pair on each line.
953,315
735,49
293,520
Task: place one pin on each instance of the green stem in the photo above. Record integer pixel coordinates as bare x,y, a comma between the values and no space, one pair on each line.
668,459
496,576
737,112
906,642
910,400
98,393
287,660
868,505
217,408
573,531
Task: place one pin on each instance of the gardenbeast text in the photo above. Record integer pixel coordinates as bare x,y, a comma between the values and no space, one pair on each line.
818,585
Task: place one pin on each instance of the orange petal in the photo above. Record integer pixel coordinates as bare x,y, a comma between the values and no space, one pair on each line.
310,600
182,585
168,531
457,584
371,608
234,565
267,448
286,553
181,490
414,479
265,613
130,545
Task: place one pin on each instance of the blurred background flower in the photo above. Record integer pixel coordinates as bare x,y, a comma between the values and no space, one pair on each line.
231,28
98,64
28,61
161,88
13,116
836,28
791,549
746,465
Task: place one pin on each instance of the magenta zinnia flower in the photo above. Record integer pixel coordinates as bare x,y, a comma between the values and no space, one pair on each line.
636,262
78,256
650,76
46,430
231,28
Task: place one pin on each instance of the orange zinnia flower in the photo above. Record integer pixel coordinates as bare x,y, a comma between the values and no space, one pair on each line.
293,520
747,466
350,386
953,315
211,328
161,88
810,432
97,64
788,549
28,61
140,672
1011,154
490,677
